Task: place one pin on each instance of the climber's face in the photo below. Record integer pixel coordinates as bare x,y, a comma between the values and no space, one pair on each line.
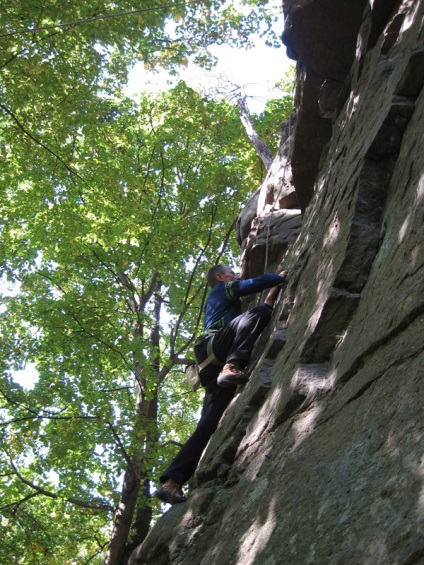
228,275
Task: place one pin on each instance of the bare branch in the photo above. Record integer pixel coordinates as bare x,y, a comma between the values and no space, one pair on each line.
258,143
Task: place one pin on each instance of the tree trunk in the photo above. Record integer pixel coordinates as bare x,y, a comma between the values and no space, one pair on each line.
258,143
145,434
124,514
141,525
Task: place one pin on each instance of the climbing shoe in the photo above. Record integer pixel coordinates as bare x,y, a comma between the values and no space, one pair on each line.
231,375
165,495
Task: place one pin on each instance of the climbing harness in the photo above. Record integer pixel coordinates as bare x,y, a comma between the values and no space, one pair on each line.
193,369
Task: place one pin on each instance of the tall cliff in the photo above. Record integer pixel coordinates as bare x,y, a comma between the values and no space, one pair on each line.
320,459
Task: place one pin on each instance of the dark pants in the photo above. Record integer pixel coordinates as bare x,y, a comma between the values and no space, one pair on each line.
234,341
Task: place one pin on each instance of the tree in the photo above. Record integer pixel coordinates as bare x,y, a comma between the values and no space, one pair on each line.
277,109
260,129
261,148
99,254
109,214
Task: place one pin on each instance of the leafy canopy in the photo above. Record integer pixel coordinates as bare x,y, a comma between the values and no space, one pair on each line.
152,189
101,198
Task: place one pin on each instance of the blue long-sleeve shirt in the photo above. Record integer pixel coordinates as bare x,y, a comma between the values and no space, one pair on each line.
223,303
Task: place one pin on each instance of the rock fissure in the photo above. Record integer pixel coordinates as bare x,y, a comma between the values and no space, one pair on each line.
360,361
369,384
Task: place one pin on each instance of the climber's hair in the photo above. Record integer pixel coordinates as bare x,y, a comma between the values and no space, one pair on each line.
213,271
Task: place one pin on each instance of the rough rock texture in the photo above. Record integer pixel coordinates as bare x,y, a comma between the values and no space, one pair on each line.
271,219
320,458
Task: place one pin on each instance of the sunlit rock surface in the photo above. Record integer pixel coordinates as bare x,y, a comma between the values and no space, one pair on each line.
320,458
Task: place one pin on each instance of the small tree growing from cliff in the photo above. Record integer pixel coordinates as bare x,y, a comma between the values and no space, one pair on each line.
261,130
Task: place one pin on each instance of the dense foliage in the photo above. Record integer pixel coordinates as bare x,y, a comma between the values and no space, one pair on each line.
154,192
110,213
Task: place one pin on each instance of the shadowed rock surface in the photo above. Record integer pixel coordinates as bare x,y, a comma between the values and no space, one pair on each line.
320,457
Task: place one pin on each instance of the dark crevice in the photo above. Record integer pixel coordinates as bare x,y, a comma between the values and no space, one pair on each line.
382,12
363,389
416,558
294,403
412,80
335,316
365,235
392,33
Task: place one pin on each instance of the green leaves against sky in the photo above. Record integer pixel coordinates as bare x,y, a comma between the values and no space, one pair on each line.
104,204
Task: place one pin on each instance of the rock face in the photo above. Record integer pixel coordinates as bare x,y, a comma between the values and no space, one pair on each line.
320,458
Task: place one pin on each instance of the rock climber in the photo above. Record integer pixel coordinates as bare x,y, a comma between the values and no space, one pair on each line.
226,345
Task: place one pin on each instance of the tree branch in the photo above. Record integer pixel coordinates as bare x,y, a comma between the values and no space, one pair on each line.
41,144
147,295
95,19
17,503
100,340
71,500
258,143
188,303
41,417
121,447
171,442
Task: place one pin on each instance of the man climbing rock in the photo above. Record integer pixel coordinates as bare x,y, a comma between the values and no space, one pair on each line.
222,353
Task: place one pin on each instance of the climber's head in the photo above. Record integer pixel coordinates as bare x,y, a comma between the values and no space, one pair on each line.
221,273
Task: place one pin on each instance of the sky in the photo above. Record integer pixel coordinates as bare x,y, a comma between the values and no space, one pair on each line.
256,69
